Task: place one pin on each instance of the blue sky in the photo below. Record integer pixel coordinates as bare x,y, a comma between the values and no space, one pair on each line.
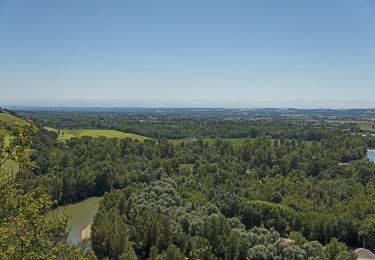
168,50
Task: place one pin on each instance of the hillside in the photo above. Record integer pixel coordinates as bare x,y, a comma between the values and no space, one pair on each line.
6,118
9,119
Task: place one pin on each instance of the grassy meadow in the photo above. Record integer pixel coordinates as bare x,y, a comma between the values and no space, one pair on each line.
367,125
65,135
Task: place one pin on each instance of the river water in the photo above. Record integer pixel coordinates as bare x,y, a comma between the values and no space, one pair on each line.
80,216
371,155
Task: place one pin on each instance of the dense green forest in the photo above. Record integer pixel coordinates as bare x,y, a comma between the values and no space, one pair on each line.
296,186
205,123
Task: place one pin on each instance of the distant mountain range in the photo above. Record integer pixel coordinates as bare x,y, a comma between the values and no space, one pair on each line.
201,103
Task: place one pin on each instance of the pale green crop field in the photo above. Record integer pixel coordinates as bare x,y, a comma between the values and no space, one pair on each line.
367,125
64,135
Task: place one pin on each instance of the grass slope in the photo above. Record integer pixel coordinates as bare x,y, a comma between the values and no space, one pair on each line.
64,135
9,119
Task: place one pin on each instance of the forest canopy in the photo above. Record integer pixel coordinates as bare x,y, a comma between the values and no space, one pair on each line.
210,187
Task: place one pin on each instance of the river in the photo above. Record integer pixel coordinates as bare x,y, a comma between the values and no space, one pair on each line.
80,216
371,155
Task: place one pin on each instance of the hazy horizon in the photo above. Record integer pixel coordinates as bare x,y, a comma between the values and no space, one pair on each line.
192,103
217,51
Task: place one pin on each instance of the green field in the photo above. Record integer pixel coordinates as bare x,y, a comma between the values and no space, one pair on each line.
64,135
367,125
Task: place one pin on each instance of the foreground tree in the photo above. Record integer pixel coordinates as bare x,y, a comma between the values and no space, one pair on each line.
338,251
367,232
25,231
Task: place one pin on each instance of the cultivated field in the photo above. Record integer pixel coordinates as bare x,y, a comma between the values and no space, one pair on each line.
367,124
64,135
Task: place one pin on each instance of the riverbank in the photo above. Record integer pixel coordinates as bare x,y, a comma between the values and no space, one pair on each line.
86,232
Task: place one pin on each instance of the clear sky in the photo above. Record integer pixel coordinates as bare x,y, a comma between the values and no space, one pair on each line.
195,49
